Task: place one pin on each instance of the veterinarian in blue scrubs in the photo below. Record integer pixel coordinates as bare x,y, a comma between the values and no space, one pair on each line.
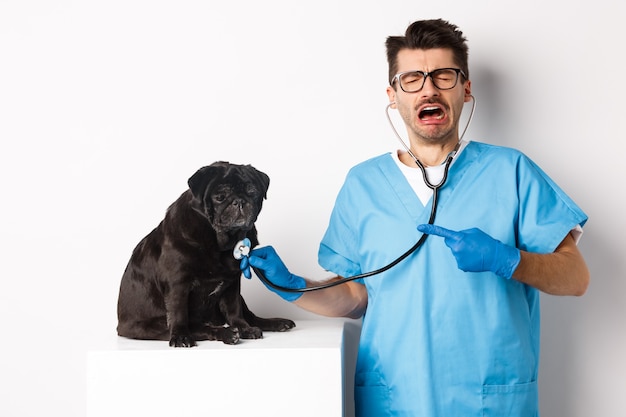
453,330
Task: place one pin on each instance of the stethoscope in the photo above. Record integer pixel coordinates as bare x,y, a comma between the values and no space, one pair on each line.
242,248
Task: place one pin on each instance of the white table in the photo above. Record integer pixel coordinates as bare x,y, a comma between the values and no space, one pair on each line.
307,371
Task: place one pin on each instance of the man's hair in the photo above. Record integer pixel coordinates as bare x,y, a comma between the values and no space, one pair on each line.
428,34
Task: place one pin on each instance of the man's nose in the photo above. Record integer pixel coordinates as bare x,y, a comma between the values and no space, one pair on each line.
429,89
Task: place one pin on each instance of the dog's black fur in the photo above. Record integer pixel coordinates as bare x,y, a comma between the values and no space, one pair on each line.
182,283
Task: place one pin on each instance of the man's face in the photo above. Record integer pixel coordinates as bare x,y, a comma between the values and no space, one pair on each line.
431,115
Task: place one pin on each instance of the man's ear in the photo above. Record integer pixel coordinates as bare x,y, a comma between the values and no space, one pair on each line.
391,93
468,91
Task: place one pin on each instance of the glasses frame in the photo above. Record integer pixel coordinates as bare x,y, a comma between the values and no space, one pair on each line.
396,78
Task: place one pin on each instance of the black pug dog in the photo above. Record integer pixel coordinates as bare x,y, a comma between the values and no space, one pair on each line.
182,282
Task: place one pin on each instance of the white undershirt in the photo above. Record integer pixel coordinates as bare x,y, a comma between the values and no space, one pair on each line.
416,179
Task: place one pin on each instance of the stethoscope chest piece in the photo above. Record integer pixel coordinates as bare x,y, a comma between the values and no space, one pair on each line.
242,249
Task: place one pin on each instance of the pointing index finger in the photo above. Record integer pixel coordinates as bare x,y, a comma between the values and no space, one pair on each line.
431,229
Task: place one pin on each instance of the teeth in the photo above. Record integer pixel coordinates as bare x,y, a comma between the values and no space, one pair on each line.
434,109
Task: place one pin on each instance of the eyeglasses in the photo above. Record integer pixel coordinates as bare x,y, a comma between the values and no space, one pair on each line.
442,78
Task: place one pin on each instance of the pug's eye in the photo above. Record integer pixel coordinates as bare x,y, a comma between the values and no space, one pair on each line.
221,193
251,189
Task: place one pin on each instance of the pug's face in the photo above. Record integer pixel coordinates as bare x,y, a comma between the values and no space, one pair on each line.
230,196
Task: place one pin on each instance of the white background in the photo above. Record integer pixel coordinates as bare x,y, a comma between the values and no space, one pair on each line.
107,107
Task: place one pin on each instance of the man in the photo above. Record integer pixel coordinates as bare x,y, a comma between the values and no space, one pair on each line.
453,329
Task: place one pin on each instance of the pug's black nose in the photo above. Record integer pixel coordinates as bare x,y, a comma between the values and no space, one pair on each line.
238,203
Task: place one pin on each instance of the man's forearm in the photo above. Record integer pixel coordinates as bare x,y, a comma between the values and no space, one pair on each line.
563,272
345,300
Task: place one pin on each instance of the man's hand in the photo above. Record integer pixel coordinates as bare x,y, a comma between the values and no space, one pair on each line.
476,251
267,260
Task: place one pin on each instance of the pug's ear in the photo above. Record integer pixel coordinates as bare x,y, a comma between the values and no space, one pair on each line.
199,182
264,180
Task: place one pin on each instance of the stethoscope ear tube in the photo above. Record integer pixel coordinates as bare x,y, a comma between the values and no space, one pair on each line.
405,146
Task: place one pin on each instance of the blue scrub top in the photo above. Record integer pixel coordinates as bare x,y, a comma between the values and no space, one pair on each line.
437,341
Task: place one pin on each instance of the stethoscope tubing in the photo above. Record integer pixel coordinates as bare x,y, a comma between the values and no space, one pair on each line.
343,280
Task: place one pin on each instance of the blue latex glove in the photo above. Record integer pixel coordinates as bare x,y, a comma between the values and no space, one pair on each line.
244,265
241,252
476,251
267,260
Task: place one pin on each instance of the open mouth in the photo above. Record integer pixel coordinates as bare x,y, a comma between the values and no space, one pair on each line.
431,112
